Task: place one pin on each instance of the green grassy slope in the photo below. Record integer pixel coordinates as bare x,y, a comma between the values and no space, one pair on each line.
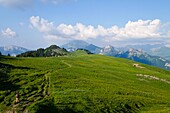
79,53
86,83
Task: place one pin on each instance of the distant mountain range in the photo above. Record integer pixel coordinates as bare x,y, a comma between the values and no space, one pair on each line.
92,48
74,45
143,57
12,50
109,51
154,50
158,55
161,51
155,57
79,44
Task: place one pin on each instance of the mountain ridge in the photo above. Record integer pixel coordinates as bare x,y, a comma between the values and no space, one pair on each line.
138,55
143,57
161,51
53,50
12,50
132,54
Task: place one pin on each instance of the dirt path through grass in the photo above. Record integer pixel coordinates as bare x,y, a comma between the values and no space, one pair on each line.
66,63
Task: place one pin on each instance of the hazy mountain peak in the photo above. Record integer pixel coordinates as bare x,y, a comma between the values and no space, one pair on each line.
53,47
136,52
132,50
109,50
12,50
163,51
108,46
75,44
9,47
12,47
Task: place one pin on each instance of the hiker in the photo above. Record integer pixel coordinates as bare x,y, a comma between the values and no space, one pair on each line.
17,97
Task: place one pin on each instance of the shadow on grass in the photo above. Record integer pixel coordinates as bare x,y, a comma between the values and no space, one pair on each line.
47,106
5,83
8,67
3,58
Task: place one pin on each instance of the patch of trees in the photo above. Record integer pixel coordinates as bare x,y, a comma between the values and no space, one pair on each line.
53,50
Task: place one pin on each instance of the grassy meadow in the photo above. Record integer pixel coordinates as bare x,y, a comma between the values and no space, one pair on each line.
82,84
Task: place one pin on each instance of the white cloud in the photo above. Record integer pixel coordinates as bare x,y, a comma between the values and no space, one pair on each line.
66,31
140,28
145,30
22,4
41,24
8,33
78,31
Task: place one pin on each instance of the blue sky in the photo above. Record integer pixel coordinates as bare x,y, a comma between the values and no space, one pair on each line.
40,23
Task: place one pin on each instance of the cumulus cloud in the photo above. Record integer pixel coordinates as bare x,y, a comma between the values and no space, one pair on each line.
64,31
146,30
8,33
41,24
140,28
22,4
